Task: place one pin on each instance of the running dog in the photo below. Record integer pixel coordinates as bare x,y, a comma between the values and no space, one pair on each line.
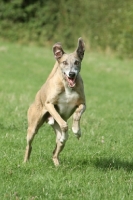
61,96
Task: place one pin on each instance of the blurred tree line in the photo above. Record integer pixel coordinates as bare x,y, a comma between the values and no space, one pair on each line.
105,25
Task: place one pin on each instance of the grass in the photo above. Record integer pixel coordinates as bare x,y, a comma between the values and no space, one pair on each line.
100,165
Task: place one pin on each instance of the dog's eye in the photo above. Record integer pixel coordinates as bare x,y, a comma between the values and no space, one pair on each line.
76,62
65,63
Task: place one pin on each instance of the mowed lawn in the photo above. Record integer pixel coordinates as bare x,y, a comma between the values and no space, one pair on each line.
97,167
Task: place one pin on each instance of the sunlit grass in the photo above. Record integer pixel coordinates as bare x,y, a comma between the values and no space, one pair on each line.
100,164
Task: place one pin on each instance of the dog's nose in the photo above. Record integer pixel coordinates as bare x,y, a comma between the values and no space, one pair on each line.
71,74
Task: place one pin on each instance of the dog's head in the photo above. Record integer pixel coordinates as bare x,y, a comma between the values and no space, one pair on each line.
70,64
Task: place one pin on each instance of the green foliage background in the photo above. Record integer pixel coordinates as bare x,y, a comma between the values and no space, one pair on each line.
105,25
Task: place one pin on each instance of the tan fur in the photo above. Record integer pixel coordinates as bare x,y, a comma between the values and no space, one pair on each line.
58,99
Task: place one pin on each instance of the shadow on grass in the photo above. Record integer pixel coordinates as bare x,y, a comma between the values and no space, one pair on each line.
113,164
105,164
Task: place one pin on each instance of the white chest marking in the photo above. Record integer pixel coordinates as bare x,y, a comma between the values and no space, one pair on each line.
67,102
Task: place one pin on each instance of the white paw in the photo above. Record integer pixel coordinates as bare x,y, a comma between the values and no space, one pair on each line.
50,120
77,132
63,138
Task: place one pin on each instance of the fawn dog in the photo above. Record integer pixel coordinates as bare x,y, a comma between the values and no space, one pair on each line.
61,96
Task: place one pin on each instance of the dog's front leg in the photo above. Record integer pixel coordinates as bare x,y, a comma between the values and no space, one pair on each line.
76,120
63,124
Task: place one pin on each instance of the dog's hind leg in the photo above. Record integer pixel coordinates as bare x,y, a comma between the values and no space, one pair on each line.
35,120
59,145
30,136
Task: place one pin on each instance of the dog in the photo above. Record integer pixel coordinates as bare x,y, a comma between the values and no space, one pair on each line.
61,96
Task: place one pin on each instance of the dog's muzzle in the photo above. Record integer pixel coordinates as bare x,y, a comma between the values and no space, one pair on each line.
71,79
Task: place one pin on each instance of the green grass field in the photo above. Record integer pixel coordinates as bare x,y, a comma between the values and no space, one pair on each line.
97,167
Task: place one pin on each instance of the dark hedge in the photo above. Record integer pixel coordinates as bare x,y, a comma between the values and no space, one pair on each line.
105,25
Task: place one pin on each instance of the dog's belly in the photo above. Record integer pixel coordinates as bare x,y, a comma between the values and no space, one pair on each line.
67,103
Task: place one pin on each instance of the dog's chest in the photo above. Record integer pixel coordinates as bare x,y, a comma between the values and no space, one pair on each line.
67,102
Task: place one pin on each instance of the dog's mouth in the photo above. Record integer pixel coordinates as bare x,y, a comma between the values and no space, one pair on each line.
70,80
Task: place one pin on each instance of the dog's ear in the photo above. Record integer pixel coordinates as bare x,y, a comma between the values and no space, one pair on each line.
80,48
58,51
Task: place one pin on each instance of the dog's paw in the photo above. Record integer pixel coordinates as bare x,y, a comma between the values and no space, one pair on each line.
51,120
63,138
56,162
77,132
64,126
